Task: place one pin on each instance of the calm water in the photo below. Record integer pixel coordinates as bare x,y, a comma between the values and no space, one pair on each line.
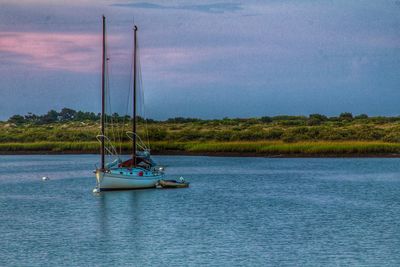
237,212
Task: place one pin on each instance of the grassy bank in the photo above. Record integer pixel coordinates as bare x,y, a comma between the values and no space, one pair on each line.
286,129
256,148
315,135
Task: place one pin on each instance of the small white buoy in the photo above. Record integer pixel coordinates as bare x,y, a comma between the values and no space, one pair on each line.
96,190
45,178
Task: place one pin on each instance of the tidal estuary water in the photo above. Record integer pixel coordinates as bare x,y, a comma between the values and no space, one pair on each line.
237,212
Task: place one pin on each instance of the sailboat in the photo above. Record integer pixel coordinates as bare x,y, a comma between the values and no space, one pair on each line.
139,171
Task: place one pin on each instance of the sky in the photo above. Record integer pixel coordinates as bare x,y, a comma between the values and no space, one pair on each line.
204,59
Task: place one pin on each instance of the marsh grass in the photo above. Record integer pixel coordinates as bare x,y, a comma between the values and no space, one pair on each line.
307,148
282,135
256,147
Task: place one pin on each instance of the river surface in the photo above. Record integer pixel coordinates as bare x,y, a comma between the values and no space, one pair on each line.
237,212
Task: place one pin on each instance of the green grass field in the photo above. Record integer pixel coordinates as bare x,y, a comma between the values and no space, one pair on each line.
280,135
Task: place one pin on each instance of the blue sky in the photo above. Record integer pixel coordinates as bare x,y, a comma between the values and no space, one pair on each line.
207,59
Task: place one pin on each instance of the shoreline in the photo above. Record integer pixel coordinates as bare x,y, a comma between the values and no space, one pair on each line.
265,149
218,154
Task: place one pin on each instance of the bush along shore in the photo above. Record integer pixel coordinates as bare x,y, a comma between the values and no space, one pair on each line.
70,131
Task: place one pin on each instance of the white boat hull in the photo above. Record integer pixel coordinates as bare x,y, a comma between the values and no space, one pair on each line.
113,181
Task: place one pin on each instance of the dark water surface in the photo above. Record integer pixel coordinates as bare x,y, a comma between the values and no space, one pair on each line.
237,212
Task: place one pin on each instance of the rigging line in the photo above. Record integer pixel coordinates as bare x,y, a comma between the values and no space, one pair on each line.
114,136
109,101
126,113
108,106
146,130
128,99
143,107
114,132
110,116
139,75
99,129
106,119
114,122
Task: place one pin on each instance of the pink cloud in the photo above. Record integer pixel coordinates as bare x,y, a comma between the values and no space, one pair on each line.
80,52
77,52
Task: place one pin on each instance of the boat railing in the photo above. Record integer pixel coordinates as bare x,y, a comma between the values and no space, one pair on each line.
140,144
110,148
158,169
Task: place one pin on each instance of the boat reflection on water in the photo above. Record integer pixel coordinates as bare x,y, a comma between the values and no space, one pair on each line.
121,220
122,208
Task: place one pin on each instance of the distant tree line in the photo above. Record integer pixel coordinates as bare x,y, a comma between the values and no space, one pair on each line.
67,114
54,126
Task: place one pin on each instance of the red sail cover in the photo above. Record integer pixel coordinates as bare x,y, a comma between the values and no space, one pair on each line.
127,163
130,163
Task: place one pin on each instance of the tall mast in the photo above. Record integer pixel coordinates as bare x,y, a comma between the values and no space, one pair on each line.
103,82
134,96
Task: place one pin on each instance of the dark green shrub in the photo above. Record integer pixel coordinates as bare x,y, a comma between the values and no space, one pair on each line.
347,116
